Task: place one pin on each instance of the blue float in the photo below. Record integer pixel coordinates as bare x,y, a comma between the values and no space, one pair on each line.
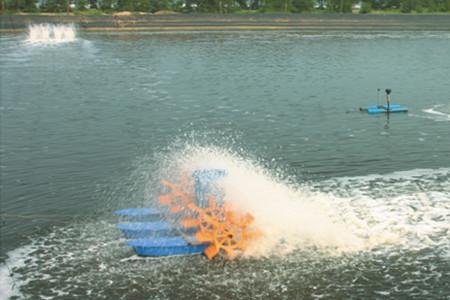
393,108
153,237
147,229
141,213
165,246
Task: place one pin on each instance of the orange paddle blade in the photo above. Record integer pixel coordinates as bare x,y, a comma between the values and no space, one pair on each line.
203,237
164,199
176,209
211,251
189,222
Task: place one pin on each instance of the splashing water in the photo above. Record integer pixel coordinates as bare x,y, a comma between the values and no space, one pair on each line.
292,216
391,231
440,112
49,33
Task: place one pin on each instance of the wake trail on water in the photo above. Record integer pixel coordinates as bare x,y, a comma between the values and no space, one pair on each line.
305,216
439,112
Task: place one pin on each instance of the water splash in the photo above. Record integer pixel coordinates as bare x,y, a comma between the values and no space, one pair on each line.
393,230
50,33
293,216
440,112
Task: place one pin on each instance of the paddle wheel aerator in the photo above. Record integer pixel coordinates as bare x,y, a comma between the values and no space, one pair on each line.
200,214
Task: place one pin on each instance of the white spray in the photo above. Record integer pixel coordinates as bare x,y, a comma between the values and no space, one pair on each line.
289,217
49,33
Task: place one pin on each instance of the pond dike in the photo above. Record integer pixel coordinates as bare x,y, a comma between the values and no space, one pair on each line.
189,22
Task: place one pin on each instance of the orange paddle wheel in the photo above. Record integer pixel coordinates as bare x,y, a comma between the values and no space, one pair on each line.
225,230
178,197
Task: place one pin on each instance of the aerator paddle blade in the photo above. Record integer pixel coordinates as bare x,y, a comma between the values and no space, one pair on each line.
138,212
165,246
146,229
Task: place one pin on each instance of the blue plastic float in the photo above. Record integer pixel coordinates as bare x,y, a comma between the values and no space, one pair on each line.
138,212
161,238
165,246
393,108
157,238
146,229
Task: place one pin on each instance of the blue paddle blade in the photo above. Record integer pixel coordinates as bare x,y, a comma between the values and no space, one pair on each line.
165,246
146,229
138,212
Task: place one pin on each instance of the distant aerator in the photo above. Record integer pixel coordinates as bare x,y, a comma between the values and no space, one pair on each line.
385,108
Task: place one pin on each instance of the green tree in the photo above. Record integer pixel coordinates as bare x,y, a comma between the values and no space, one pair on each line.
184,5
341,6
20,5
429,5
81,4
302,5
407,6
366,8
277,5
208,5
445,5
255,4
125,5
55,6
384,4
106,4
140,5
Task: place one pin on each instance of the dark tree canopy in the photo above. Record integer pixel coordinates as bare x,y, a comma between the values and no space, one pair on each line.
228,6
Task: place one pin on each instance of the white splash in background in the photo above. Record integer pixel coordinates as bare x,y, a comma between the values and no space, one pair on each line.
51,33
440,112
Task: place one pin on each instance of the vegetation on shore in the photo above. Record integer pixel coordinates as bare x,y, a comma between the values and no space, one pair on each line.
93,7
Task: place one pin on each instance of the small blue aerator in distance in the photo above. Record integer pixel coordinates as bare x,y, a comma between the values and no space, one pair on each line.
393,108
386,108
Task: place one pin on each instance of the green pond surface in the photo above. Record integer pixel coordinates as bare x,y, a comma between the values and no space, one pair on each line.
86,125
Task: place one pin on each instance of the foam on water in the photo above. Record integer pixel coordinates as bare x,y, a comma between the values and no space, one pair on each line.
51,34
293,216
440,112
9,286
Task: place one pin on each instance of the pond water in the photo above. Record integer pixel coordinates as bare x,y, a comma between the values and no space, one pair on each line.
89,124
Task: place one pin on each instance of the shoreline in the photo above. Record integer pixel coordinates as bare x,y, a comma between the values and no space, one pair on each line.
207,22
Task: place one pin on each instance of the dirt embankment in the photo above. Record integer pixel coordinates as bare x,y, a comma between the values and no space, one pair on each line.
178,22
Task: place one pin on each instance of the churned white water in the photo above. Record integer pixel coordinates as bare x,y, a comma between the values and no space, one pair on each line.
440,112
326,217
9,285
51,33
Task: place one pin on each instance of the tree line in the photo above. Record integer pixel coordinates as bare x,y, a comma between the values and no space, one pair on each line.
227,6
